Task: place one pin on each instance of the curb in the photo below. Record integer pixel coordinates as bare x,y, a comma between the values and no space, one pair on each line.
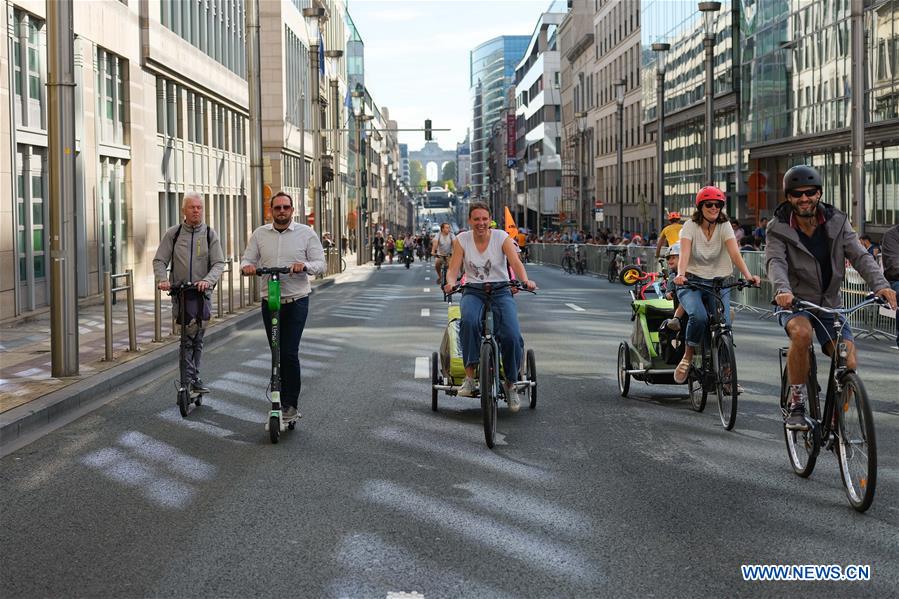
21,425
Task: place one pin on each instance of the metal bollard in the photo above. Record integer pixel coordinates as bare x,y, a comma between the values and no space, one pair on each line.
218,300
157,315
107,314
240,279
132,321
230,285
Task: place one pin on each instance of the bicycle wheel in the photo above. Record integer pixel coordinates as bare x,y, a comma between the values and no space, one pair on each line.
624,364
630,274
856,444
566,264
487,379
726,383
698,395
435,380
613,272
531,376
802,446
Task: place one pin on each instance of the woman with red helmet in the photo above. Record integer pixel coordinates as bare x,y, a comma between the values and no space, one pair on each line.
708,250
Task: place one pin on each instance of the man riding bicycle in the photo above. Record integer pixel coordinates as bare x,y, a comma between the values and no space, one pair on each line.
483,252
808,243
442,249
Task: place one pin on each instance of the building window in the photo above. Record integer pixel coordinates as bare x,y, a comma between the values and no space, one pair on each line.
110,92
29,70
31,212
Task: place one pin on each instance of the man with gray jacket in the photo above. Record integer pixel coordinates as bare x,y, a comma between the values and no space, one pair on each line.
194,251
808,244
889,253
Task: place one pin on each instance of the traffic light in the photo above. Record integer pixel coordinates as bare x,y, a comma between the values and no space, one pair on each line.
427,129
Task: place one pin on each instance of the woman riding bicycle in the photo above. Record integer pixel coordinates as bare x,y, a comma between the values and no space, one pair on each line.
482,254
708,249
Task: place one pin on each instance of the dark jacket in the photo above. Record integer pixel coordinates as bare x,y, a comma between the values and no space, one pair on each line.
792,268
889,253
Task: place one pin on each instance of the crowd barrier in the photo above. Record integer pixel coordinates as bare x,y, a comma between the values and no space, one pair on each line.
865,323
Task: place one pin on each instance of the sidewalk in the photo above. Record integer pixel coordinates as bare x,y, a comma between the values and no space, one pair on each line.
31,397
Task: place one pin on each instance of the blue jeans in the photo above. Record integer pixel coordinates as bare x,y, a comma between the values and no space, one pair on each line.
505,326
293,321
698,304
895,285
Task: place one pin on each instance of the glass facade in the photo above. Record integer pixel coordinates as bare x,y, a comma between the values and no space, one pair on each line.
491,73
216,27
797,74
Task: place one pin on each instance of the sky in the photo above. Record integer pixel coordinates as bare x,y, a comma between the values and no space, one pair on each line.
417,53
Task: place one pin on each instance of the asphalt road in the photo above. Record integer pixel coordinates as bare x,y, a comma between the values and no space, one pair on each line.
588,495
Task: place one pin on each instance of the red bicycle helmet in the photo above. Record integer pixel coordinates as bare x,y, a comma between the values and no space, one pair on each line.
674,216
710,192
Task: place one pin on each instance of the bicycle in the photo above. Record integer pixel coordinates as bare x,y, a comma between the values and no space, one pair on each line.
616,262
379,258
856,450
580,261
186,396
717,366
276,423
489,385
643,281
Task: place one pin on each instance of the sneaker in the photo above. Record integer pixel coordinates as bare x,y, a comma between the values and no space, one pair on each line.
512,398
198,387
290,413
467,389
795,420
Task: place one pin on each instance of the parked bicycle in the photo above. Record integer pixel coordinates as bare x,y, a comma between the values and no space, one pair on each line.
616,262
846,425
714,367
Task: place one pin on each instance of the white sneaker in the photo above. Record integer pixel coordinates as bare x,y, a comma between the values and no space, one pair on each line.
467,389
512,398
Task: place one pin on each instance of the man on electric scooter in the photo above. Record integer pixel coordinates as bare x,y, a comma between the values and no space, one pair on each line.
194,251
482,254
284,242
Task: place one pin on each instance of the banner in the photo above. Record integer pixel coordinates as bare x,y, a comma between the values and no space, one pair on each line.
510,227
510,136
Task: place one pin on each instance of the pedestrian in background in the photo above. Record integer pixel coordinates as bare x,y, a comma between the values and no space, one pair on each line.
285,242
194,251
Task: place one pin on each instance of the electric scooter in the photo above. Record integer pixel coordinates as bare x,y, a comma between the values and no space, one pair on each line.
276,423
186,396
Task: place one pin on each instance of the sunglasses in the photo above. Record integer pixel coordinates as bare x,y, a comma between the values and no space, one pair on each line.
796,193
718,205
282,207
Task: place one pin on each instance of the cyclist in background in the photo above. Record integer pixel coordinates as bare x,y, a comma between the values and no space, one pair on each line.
708,250
670,234
808,244
442,249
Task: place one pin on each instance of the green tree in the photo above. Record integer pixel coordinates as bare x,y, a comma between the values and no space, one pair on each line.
416,174
449,171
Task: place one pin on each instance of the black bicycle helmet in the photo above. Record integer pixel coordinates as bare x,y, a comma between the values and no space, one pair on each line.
802,175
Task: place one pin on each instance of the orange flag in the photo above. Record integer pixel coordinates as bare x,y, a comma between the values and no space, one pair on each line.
511,228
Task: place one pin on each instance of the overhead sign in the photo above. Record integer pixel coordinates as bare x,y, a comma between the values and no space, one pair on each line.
510,135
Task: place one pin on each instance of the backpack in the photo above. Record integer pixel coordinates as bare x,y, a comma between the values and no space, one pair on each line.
208,244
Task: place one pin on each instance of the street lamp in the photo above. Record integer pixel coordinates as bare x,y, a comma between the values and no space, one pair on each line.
357,97
709,11
314,16
581,118
661,50
619,99
333,57
539,149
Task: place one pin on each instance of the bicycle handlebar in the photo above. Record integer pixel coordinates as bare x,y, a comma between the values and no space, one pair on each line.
799,305
716,287
493,287
271,270
177,289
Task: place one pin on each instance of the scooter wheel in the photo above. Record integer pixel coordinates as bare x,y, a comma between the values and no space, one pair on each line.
291,425
274,428
184,403
199,400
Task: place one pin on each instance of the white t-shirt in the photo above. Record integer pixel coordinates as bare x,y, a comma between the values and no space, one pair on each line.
489,267
708,257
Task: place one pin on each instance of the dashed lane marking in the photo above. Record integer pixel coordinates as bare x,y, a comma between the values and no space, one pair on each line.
421,367
427,290
575,307
425,311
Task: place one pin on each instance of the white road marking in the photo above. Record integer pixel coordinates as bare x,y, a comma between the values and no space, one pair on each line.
425,311
427,290
421,367
575,307
427,278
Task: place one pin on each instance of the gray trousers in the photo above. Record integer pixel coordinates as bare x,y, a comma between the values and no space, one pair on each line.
191,352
